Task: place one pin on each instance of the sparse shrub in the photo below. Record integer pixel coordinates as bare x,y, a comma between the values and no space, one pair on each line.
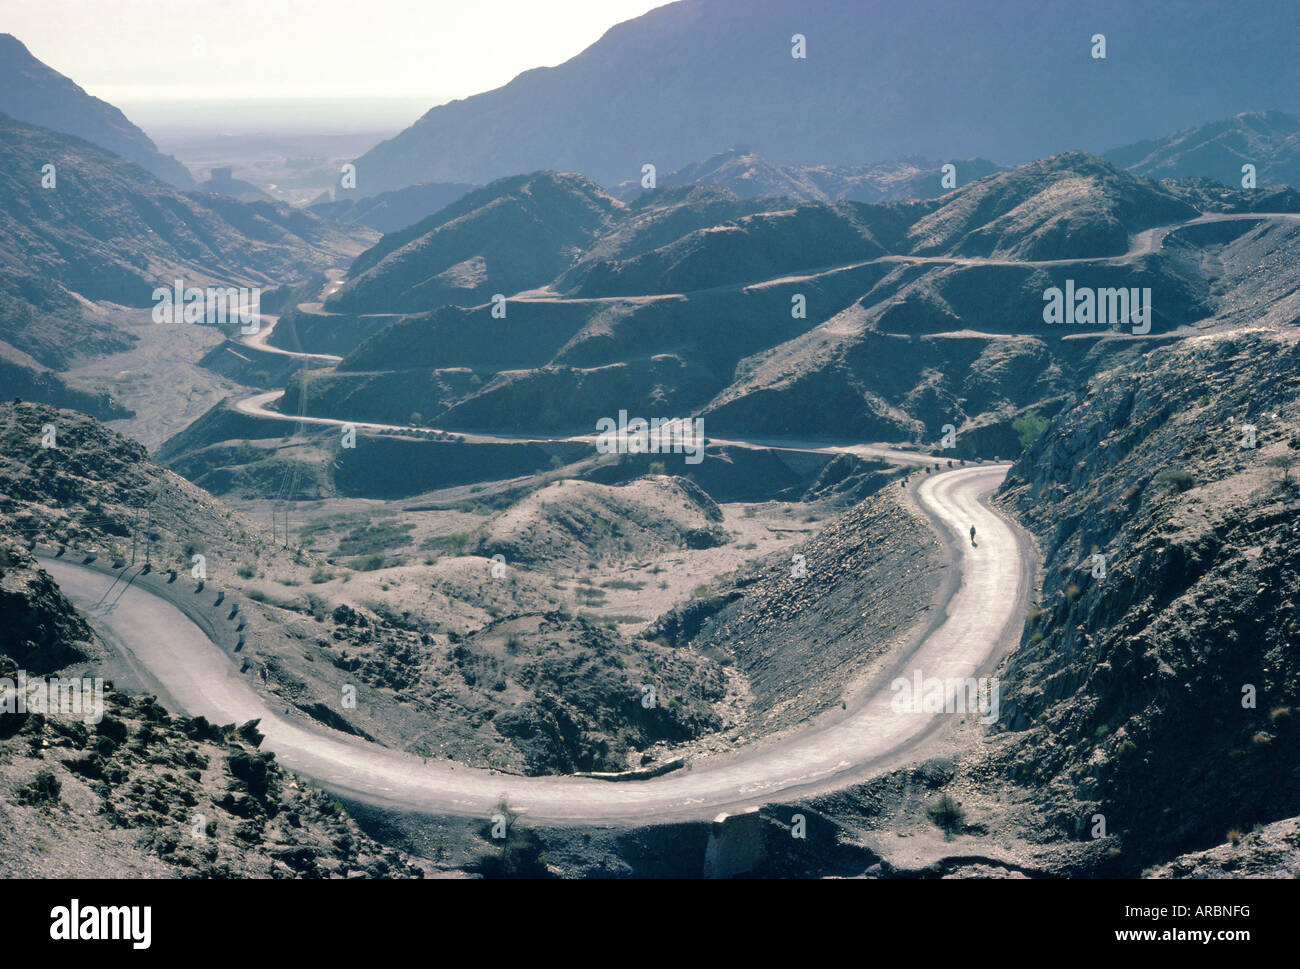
375,537
456,543
1284,462
947,814
1177,480
1028,427
42,791
622,584
1234,837
247,570
321,575
657,467
317,607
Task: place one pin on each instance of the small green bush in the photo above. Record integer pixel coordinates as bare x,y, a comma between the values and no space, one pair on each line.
1028,427
1177,480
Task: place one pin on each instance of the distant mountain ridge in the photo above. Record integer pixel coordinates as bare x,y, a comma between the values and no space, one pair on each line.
781,318
564,232
748,175
389,211
31,91
1011,79
1268,140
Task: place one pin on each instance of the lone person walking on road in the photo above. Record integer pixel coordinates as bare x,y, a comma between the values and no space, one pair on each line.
972,534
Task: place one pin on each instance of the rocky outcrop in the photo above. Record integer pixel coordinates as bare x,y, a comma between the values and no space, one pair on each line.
171,796
1157,680
800,626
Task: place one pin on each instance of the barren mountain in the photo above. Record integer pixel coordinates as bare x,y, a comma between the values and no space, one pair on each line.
390,211
749,175
1268,140
513,234
916,314
103,234
39,95
1014,80
107,230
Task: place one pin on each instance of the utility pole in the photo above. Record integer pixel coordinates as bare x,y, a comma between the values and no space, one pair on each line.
135,527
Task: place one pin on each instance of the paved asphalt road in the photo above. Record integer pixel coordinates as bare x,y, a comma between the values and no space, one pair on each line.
972,630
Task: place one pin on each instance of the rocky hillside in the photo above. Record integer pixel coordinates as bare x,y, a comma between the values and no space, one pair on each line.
93,489
1268,851
106,230
37,94
783,319
142,792
43,633
1161,690
573,523
514,234
167,797
803,625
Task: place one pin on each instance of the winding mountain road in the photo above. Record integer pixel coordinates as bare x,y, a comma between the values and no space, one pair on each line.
979,621
1141,244
971,631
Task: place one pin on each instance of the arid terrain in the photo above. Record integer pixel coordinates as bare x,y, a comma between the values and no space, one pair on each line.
584,486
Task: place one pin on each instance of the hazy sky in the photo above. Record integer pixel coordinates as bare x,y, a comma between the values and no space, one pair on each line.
431,50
